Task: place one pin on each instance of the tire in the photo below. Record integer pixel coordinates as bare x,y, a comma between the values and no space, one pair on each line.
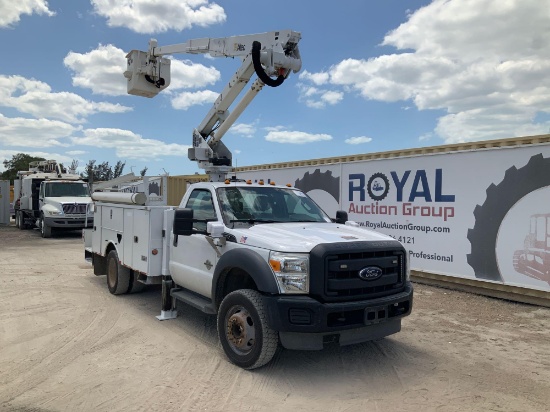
22,225
246,338
45,230
517,183
135,286
322,181
118,276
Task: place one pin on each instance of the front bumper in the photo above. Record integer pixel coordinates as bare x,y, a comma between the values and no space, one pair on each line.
61,222
305,323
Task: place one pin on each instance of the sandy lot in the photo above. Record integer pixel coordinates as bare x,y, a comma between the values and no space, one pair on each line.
66,344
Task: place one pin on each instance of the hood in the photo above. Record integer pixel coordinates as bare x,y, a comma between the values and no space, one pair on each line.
302,237
68,199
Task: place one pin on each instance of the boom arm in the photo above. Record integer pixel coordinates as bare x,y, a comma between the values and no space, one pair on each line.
267,54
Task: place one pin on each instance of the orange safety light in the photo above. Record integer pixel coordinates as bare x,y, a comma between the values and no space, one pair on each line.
249,182
272,183
227,181
261,182
275,265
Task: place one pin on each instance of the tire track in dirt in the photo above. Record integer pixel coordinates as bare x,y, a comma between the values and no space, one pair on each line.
90,328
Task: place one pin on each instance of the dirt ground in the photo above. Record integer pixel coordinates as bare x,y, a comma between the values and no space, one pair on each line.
66,344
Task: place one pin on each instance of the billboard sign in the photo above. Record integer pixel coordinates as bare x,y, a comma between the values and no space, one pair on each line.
482,214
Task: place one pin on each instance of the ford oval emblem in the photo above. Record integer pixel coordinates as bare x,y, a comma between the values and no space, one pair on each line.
370,273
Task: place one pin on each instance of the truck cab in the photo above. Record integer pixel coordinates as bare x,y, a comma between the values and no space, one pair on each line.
64,205
317,280
51,199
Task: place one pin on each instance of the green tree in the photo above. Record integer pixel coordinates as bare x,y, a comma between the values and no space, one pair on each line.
18,162
102,172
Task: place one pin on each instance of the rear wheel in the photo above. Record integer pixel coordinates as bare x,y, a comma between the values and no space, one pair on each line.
245,336
118,276
21,220
135,286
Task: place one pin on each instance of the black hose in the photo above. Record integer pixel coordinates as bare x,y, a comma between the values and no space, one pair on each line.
262,75
160,82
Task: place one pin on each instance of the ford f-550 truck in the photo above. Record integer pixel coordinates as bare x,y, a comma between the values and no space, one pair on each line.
265,259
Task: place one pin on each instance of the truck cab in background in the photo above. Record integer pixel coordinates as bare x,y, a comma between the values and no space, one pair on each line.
51,199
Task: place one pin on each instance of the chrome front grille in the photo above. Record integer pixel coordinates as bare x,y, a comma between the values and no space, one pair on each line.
74,208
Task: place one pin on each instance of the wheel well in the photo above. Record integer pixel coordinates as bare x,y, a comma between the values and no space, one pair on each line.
109,247
231,280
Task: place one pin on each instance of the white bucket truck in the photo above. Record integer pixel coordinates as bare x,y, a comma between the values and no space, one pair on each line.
48,197
264,258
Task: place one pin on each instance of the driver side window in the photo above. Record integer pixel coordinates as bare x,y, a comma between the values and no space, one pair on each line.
203,208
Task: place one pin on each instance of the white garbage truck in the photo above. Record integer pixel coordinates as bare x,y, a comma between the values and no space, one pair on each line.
264,258
48,197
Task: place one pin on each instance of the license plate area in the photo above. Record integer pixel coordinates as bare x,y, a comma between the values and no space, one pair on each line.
375,315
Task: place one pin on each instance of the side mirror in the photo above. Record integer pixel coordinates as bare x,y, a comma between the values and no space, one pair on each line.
341,217
183,222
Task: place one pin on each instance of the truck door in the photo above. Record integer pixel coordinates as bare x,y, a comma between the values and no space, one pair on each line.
193,259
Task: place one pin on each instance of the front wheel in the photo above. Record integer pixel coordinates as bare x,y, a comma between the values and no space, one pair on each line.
45,230
118,276
246,338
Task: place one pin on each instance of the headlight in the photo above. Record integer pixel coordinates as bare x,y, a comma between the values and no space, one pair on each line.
291,271
55,212
407,269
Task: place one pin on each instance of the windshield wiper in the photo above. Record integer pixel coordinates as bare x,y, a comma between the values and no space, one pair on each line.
253,220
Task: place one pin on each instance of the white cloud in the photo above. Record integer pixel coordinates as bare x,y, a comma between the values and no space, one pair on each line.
316,78
76,152
484,63
146,16
24,133
358,140
11,11
129,145
186,74
243,129
185,100
319,98
295,137
36,98
101,70
331,97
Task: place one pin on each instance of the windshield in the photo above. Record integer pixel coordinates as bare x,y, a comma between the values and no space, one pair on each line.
65,189
267,205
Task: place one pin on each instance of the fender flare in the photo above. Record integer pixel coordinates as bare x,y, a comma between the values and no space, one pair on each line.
250,262
108,246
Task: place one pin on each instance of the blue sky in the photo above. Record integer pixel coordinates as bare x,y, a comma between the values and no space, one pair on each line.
377,75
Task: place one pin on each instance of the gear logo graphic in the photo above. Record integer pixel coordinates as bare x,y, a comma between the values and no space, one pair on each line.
323,181
517,183
378,186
